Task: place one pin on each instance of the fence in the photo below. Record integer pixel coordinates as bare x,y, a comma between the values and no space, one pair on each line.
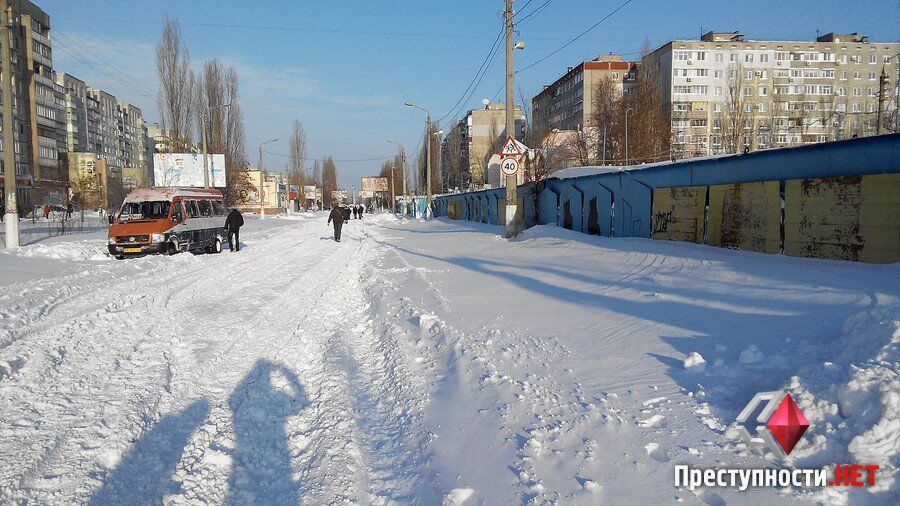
37,229
831,200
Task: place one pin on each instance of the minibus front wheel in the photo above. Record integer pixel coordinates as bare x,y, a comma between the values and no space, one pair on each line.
172,248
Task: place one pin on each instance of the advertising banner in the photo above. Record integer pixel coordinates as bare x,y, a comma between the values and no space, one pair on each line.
186,169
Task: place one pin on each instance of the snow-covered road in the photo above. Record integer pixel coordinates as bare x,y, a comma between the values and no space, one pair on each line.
420,362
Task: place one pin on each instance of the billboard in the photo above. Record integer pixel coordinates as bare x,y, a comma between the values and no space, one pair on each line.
310,193
375,184
186,169
339,195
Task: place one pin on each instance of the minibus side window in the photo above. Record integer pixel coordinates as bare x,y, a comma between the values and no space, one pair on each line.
205,208
191,207
176,212
218,208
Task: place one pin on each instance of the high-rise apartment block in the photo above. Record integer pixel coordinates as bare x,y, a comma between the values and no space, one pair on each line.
725,94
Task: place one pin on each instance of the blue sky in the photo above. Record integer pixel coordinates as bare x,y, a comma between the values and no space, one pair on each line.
345,68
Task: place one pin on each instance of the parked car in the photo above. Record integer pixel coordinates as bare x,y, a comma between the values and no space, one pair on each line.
168,221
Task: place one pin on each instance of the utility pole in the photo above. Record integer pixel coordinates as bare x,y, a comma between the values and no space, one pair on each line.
882,82
11,218
629,110
604,144
205,165
511,181
262,202
393,195
428,166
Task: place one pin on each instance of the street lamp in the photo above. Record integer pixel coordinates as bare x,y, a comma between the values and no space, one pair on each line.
203,120
262,202
629,110
403,170
427,158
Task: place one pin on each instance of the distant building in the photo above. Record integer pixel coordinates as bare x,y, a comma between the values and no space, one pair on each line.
273,193
727,94
479,134
567,103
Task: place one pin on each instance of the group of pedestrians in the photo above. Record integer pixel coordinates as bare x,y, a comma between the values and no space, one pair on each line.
339,215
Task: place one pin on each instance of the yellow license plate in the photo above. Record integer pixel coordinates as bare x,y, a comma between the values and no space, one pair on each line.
132,250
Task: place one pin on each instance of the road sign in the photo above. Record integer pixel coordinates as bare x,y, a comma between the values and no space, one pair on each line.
509,166
510,148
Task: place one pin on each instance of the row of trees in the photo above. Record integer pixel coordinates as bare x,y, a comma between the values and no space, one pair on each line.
188,98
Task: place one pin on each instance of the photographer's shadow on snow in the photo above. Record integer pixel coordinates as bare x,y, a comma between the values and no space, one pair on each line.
261,462
144,475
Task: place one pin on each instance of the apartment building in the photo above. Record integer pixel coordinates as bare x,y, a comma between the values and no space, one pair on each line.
97,123
723,93
567,103
479,135
38,111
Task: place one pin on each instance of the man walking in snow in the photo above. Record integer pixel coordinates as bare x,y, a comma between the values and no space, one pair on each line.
233,223
337,216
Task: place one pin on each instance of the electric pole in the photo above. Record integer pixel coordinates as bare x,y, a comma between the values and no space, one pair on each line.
513,180
882,82
428,165
11,218
205,165
262,202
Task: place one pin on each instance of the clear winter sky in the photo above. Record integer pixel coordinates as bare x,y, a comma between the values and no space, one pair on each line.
344,68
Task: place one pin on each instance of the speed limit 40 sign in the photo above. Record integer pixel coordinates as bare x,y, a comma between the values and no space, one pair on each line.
509,166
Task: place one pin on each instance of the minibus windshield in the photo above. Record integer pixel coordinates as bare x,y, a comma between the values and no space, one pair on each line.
150,210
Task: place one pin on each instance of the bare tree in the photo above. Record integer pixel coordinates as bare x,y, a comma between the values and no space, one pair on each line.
296,172
176,101
329,180
216,87
732,118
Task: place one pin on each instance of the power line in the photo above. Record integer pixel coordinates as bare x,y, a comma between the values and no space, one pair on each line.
332,159
567,44
534,12
479,74
135,84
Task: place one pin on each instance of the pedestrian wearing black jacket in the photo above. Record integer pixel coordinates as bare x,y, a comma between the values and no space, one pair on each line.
233,223
337,216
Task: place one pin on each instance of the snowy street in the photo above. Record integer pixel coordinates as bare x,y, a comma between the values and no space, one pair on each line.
431,361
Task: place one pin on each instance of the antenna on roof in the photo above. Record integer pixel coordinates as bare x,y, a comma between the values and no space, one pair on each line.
817,34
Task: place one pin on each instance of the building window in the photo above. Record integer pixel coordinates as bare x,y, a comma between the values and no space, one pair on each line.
762,91
871,76
718,91
857,75
748,58
721,57
855,108
828,73
719,74
682,55
872,58
856,92
843,75
761,107
764,58
701,55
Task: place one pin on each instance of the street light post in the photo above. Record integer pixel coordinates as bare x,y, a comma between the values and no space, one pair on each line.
629,110
203,120
427,158
262,201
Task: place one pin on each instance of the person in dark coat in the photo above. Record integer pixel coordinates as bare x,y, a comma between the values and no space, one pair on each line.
346,211
233,223
337,216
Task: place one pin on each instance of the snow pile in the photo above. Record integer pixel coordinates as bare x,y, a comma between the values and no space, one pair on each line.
91,250
853,402
695,362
